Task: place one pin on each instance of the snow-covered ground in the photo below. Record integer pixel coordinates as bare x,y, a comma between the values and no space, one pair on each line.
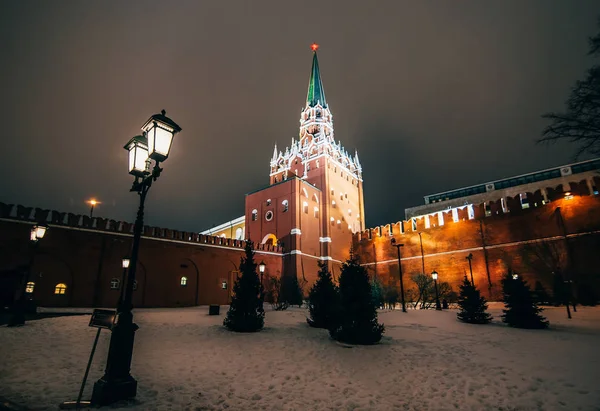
185,360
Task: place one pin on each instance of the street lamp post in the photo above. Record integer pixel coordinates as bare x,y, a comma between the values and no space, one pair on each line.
395,244
154,144
261,268
125,265
434,275
92,203
470,257
18,317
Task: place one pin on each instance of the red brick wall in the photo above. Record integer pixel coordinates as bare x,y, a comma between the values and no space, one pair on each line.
445,247
86,259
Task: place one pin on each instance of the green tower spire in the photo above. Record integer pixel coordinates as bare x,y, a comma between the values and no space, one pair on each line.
316,94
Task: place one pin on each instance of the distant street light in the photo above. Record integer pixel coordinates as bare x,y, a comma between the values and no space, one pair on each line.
18,315
438,306
93,204
154,144
261,268
400,273
125,264
470,257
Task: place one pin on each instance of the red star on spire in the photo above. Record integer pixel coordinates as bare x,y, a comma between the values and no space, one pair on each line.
314,47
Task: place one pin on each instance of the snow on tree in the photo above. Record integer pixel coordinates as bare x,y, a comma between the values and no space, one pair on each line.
246,313
356,320
322,299
521,310
472,305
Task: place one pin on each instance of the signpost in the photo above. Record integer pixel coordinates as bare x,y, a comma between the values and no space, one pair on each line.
100,319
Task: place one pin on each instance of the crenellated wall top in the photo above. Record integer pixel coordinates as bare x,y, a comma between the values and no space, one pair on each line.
99,224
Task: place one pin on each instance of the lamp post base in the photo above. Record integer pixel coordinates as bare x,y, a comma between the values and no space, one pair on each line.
107,392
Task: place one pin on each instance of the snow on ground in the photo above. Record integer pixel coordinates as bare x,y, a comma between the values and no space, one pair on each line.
185,360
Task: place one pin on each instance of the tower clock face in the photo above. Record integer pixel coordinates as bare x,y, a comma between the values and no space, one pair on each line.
269,215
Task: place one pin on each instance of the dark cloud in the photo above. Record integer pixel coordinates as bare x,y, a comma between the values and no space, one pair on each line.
434,95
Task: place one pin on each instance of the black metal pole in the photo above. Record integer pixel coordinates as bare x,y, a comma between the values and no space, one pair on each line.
401,282
92,211
117,383
470,257
437,296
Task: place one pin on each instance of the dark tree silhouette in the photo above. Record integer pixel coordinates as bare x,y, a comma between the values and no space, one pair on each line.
521,309
246,312
472,305
322,300
580,123
356,321
290,293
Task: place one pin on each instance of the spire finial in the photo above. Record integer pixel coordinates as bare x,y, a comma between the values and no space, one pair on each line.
314,47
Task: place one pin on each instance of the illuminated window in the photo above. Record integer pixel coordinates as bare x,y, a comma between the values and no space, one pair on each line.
60,288
269,202
239,233
284,203
333,203
183,281
305,207
29,287
524,201
115,283
339,223
254,215
316,212
349,212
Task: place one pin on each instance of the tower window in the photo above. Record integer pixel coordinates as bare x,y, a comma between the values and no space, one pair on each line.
254,215
316,212
317,163
284,204
183,281
349,211
332,192
60,289
305,207
115,283
333,203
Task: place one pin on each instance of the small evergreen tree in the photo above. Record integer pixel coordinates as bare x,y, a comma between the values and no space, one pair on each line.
246,313
290,292
356,320
521,309
377,293
322,299
473,306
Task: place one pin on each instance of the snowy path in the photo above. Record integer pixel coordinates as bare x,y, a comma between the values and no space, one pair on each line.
184,359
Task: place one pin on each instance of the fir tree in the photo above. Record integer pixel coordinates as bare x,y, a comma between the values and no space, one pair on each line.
322,299
473,306
356,320
290,292
246,312
377,293
521,309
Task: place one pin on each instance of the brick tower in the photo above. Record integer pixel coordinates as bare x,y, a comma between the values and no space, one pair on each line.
314,202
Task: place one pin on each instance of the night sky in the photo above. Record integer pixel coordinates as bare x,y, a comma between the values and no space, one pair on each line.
435,95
